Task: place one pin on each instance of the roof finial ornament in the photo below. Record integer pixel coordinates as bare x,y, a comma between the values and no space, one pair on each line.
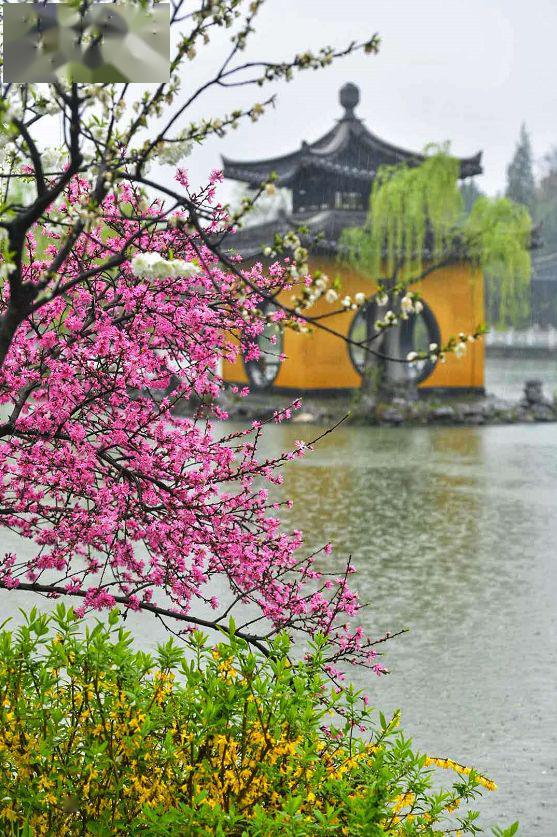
349,99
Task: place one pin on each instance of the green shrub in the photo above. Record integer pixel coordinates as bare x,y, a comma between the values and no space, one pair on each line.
98,738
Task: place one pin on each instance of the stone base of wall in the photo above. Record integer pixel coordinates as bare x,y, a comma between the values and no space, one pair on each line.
429,409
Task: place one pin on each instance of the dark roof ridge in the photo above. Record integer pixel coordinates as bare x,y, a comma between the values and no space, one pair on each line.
346,129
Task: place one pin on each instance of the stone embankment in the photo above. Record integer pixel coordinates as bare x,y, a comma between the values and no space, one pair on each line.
471,410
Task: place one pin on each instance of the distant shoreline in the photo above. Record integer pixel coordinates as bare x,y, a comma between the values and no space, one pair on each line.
427,410
521,352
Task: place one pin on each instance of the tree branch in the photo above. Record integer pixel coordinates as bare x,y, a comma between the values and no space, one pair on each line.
53,590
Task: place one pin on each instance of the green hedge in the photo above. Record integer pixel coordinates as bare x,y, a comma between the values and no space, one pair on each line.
99,738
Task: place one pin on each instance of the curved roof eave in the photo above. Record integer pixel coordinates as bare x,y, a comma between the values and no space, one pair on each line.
347,129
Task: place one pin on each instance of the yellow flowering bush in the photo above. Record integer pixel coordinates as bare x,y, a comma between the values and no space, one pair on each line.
97,738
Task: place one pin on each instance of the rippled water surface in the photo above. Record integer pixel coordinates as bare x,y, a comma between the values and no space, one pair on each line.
453,531
505,376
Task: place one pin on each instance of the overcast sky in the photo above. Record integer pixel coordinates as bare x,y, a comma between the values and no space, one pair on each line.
468,71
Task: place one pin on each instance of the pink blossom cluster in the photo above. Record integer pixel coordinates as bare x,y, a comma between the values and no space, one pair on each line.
122,499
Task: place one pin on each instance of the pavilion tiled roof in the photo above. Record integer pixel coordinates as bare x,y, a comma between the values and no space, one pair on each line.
348,141
330,179
323,231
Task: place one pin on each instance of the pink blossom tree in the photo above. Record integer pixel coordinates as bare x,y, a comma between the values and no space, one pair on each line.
116,304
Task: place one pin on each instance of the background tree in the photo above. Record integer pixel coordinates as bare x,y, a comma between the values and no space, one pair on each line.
416,224
546,202
470,194
521,187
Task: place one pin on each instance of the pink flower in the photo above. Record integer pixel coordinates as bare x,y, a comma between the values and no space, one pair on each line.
120,498
216,176
182,177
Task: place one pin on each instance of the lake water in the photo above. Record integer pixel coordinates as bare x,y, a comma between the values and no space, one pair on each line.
454,533
505,376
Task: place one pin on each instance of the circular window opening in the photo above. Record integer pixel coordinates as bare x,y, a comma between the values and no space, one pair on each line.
263,371
415,335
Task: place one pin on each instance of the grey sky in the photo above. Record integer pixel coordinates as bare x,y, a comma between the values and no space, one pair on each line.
464,70
468,71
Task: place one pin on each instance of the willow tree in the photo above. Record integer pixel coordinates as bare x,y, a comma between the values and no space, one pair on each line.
415,225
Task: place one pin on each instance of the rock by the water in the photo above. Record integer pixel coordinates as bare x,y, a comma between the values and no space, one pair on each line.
443,413
533,393
303,418
392,416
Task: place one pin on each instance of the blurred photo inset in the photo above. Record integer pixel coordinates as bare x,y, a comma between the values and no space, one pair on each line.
106,43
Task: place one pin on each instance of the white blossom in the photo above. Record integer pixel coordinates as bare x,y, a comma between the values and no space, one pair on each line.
53,159
5,269
346,302
48,108
291,240
331,295
183,268
173,152
411,357
418,306
407,304
153,264
433,347
359,298
381,300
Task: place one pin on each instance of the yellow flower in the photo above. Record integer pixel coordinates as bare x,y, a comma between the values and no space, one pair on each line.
403,800
45,782
227,669
136,722
449,764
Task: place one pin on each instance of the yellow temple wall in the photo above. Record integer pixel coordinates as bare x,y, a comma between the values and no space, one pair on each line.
321,361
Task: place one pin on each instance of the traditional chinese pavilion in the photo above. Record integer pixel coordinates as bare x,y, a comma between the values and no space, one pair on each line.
330,181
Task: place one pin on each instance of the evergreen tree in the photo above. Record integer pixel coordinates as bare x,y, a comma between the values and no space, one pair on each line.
470,194
546,202
521,186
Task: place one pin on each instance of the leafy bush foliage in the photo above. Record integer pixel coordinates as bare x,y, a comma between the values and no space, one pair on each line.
99,738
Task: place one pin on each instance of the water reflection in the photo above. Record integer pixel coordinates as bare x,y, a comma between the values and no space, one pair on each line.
505,377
